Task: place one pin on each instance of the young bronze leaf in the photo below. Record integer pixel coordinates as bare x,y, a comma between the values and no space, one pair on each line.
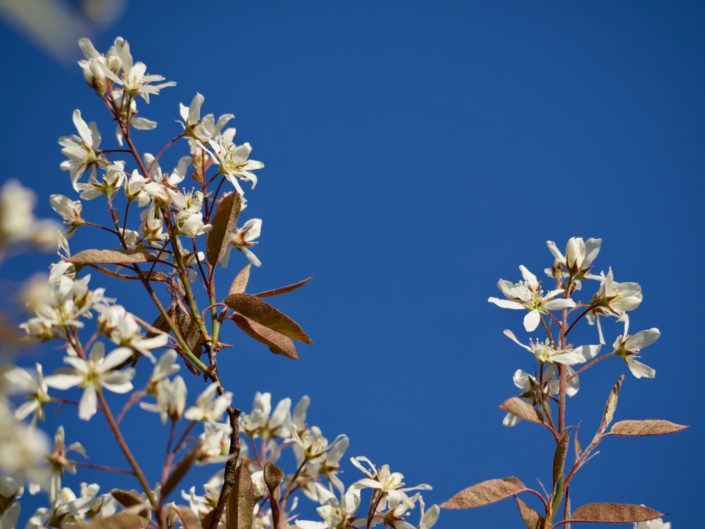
180,471
273,476
239,284
283,290
532,519
125,498
90,257
277,343
223,225
122,520
611,405
521,409
484,493
188,518
241,501
646,427
263,313
190,332
614,513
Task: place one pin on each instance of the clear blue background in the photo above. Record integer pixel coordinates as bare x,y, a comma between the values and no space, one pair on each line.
416,152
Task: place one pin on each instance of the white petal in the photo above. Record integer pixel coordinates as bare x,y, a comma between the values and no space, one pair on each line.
89,404
532,320
639,369
642,339
509,334
506,304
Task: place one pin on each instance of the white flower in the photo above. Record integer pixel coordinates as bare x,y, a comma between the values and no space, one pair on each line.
93,373
653,524
129,112
189,218
69,210
171,400
629,347
16,217
135,189
527,295
390,484
545,352
22,447
209,408
215,443
204,129
335,513
579,255
122,328
112,180
234,160
260,424
531,389
134,79
243,239
165,367
82,150
34,387
58,463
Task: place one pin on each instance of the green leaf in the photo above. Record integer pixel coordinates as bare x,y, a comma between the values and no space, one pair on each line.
224,220
485,493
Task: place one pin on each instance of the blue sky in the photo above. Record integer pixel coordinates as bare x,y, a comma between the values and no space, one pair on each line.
416,152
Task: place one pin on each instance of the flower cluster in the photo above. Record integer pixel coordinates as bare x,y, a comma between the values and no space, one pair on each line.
170,230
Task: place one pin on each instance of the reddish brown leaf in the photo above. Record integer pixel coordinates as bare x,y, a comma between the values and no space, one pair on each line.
125,498
188,519
263,313
273,476
559,457
484,493
283,290
223,225
191,333
614,513
239,284
277,343
241,501
91,257
521,409
646,427
122,520
531,518
180,470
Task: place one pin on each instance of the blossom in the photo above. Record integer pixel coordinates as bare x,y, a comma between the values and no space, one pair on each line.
189,218
234,160
629,347
122,328
95,372
579,255
613,299
35,387
261,424
134,79
17,222
129,114
243,239
209,408
58,464
546,352
534,392
82,150
112,180
204,129
527,295
165,367
171,400
67,209
335,513
389,484
22,447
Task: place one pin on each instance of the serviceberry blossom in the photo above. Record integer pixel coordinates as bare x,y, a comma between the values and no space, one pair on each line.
93,373
209,408
579,255
527,295
82,151
629,348
243,239
546,352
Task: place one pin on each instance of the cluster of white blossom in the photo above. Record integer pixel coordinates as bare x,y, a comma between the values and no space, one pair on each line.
157,223
570,273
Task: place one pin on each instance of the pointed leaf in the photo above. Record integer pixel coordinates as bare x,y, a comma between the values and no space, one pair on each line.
273,476
263,313
283,290
239,284
531,519
646,427
241,501
277,343
89,257
484,493
125,498
614,513
188,518
521,409
122,520
180,470
611,405
190,332
223,225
